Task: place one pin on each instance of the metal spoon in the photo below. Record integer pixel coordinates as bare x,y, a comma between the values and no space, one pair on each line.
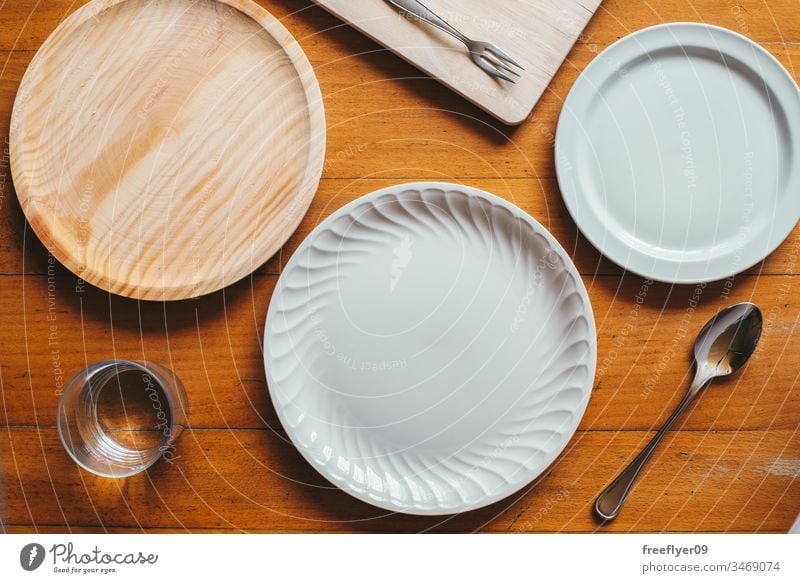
722,347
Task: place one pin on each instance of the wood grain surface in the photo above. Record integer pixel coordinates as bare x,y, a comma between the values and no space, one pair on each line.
538,35
163,150
732,465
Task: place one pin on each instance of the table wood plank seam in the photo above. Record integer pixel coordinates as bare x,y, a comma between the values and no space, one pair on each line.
190,530
282,432
605,274
581,43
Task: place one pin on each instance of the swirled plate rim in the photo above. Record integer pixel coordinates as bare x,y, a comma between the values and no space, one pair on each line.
587,313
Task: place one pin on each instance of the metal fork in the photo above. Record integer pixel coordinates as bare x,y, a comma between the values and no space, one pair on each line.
487,56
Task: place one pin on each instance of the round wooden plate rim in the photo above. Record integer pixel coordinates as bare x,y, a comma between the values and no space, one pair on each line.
215,281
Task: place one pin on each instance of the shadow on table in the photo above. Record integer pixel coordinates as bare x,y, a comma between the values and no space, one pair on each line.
352,514
391,67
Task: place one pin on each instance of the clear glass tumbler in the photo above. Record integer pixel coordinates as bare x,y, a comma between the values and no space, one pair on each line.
116,418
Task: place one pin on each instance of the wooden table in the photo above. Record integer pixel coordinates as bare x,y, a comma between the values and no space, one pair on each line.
733,465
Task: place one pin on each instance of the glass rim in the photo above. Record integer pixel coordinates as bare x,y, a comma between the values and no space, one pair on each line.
132,365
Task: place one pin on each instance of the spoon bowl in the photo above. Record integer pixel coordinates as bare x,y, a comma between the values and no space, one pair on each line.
729,338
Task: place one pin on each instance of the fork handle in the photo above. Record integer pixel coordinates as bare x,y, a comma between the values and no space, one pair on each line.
418,9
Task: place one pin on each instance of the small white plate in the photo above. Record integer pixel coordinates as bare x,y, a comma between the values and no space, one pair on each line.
430,348
677,153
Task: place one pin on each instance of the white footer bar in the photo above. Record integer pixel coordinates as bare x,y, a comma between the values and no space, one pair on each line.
388,558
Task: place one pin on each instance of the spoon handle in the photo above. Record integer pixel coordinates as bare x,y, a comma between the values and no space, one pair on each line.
610,500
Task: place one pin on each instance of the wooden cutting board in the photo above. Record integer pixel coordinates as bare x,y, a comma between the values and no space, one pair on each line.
536,33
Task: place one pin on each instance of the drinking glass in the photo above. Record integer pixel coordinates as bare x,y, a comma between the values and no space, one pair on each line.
116,418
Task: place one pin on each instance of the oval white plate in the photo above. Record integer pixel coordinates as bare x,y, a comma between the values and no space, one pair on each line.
676,153
430,348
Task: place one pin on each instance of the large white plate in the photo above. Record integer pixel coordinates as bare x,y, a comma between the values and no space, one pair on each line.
677,153
430,348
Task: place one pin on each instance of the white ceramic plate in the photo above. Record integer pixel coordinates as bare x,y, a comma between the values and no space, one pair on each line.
430,348
677,153
796,526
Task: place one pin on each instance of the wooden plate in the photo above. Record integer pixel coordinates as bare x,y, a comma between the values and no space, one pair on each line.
163,149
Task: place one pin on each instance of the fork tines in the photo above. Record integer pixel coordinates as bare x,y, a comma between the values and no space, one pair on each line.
496,63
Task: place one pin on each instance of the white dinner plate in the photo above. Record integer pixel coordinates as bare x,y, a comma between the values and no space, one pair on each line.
677,153
430,348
